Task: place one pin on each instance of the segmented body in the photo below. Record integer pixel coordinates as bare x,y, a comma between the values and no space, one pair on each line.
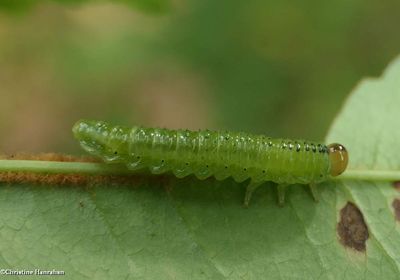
208,153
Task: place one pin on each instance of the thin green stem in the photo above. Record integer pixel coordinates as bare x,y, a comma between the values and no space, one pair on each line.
55,167
370,175
91,168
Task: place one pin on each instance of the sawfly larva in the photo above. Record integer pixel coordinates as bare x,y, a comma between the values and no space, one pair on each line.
211,153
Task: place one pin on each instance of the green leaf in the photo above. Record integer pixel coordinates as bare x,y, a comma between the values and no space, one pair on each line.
369,125
190,229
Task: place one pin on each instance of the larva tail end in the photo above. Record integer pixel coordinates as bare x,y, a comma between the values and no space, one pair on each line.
81,127
89,131
102,139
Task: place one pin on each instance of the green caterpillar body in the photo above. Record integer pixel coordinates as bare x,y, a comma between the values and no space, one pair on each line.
208,153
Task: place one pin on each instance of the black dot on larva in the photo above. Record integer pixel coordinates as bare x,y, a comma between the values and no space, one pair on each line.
226,167
115,153
187,163
244,169
138,157
314,149
162,161
263,171
207,165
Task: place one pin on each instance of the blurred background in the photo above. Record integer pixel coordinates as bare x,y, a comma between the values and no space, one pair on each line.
281,68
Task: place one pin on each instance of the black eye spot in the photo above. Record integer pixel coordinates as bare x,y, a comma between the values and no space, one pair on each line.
226,167
207,165
162,161
138,157
263,171
244,169
115,153
187,163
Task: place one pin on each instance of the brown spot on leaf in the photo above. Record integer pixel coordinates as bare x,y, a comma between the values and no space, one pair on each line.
396,207
352,230
396,185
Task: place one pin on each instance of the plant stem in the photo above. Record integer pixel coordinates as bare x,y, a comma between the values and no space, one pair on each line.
91,168
370,175
56,167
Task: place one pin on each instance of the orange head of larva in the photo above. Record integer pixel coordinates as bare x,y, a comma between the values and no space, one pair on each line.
338,157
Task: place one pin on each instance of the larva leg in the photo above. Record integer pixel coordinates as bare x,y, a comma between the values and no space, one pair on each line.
314,192
281,194
249,191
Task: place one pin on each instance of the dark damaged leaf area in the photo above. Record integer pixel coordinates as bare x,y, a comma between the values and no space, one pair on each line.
396,185
396,208
352,230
